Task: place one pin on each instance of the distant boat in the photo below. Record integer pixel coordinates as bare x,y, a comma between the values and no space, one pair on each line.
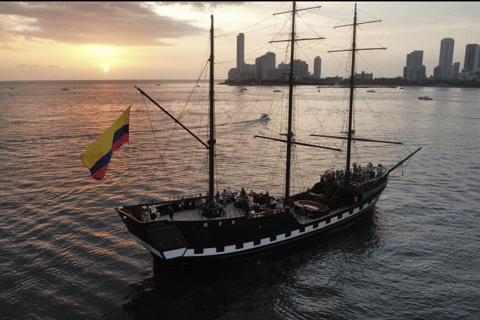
12,88
401,87
242,90
373,91
424,98
263,117
277,90
65,89
158,84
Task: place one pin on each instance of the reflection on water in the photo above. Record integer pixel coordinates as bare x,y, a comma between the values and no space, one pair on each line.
276,286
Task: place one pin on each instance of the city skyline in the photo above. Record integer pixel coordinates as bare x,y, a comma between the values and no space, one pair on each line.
90,41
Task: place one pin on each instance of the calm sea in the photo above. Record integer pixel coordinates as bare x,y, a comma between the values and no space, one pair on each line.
65,254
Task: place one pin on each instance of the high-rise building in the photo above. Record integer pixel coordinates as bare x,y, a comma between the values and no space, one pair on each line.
240,52
469,63
455,70
317,67
414,69
446,57
437,72
300,69
263,64
476,65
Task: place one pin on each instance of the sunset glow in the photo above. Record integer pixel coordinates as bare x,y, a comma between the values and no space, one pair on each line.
169,40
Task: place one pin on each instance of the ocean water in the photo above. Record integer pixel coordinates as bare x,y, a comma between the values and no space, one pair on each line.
65,254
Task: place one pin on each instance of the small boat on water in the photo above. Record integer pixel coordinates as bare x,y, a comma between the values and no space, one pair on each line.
65,89
211,230
371,91
242,90
277,90
424,98
263,117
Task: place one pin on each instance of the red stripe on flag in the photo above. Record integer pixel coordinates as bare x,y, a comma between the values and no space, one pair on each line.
124,138
100,173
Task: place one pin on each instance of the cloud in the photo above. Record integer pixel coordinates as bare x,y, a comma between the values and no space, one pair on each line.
8,47
107,23
202,6
32,66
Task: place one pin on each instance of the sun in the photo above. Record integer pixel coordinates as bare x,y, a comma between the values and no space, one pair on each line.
105,69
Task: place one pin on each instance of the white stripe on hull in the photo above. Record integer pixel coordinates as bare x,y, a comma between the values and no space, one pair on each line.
174,253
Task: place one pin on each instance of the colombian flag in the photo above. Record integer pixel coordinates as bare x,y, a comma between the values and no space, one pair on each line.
98,154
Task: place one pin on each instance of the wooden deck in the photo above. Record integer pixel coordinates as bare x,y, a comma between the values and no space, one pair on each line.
195,214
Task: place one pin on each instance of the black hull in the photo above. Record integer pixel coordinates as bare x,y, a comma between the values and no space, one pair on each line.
201,244
189,265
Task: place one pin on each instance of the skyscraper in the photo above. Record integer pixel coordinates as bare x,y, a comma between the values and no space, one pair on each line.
446,57
263,64
240,52
317,67
414,69
469,63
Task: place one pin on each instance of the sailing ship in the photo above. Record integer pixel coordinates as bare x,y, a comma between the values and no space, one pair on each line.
201,232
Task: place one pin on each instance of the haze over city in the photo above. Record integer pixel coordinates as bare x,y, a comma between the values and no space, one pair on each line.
169,40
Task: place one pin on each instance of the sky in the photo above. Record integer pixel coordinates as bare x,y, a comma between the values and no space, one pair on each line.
170,40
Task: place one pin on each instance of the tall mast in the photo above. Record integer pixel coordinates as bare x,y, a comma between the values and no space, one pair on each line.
352,87
211,142
290,108
290,134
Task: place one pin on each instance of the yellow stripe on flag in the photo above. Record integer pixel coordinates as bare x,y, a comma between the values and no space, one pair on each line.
103,144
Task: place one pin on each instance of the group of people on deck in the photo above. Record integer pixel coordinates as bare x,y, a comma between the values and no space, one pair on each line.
249,203
369,171
253,202
358,173
225,198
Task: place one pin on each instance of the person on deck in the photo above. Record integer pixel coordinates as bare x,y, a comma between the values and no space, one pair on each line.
153,210
229,195
279,204
224,197
146,216
379,170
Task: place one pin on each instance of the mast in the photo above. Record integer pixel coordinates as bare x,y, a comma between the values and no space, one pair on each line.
290,134
211,142
352,87
290,109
